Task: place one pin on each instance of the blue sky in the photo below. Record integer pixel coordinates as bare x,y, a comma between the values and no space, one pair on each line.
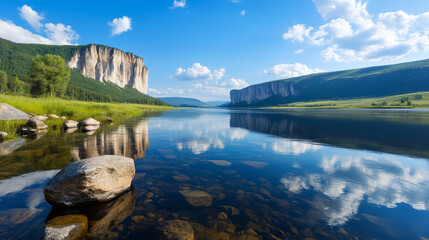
203,48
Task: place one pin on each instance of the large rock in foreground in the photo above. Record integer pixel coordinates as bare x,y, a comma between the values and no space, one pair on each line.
66,228
7,112
97,179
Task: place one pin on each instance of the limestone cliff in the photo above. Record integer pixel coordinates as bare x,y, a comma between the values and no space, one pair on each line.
108,64
263,91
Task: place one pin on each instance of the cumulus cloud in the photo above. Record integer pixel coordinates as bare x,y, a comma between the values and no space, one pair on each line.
204,83
120,25
31,16
178,4
198,72
56,34
60,34
291,70
12,32
352,34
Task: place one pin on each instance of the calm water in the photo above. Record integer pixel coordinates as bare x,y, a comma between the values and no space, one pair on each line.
322,174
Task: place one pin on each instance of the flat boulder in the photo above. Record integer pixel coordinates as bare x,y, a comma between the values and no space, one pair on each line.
90,122
97,179
70,124
35,124
7,112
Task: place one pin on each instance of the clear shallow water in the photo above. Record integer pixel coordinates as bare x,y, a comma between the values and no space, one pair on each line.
318,174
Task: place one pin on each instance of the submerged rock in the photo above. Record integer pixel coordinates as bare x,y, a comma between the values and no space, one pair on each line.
177,230
197,198
97,179
220,163
70,124
7,112
90,122
66,227
35,124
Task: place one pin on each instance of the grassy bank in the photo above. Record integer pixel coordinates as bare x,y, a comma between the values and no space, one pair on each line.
75,110
412,100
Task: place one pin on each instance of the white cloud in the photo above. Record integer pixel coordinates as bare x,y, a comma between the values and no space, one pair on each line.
290,147
120,25
291,70
236,1
60,34
178,4
242,13
57,34
198,72
204,83
352,34
12,32
31,16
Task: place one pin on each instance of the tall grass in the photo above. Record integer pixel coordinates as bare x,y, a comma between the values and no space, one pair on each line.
76,110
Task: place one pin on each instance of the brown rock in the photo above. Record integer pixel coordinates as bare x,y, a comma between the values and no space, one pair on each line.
66,227
177,230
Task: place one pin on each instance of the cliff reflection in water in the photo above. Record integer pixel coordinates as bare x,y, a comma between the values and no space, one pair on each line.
124,141
392,133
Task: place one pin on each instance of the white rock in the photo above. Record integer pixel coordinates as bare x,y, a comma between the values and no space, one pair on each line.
70,124
35,124
41,118
90,122
53,116
97,179
3,135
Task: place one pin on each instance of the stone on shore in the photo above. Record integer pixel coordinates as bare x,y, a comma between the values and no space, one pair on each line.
97,179
177,230
66,227
108,120
53,116
3,135
90,122
41,118
63,117
70,124
35,124
7,112
197,198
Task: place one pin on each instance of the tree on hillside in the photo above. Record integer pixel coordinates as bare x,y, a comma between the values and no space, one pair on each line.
15,85
49,75
3,82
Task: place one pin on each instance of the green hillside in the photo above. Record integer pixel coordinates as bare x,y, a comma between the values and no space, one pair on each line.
370,82
15,60
183,102
415,100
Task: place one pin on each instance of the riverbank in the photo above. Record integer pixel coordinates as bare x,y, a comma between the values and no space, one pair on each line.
71,109
411,100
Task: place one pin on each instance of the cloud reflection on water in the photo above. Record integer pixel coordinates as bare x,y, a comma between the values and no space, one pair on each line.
345,181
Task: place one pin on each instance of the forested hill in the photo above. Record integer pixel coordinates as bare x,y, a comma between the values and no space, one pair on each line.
15,60
358,83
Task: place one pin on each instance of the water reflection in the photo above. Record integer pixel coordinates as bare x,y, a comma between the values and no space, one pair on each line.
123,141
387,131
101,217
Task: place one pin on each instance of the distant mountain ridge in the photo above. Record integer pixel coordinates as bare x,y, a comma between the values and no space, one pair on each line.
191,102
357,83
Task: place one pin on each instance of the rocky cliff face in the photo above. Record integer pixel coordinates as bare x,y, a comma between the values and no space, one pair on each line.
262,91
108,64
